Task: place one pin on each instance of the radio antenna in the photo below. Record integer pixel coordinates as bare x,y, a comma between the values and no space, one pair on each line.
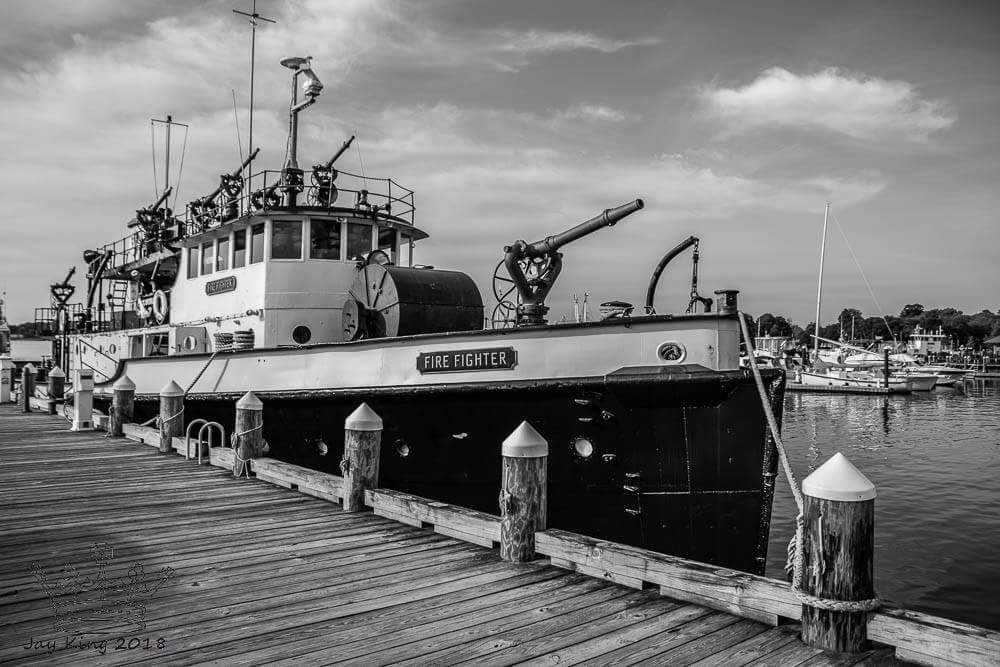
254,17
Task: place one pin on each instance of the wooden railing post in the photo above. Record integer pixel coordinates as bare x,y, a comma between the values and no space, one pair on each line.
57,388
838,554
27,386
523,493
362,447
171,416
248,432
122,406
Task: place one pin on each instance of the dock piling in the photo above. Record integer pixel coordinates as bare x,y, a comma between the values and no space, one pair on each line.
838,554
523,493
122,406
57,388
362,447
27,387
248,434
171,415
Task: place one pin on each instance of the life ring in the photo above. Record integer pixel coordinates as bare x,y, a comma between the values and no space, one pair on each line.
161,306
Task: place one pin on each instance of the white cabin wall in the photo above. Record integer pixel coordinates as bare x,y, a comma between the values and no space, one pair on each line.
310,293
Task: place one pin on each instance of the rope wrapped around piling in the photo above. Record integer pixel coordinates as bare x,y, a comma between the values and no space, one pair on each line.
795,545
241,465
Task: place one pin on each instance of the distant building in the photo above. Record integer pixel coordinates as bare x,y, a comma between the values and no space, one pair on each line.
924,343
773,345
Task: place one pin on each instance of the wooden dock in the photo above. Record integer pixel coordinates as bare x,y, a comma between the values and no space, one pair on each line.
270,575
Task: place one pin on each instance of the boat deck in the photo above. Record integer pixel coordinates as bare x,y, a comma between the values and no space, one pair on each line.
267,575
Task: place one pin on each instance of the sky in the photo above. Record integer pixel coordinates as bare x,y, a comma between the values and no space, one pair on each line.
734,121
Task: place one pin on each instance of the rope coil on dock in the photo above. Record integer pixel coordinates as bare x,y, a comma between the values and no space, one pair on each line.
795,545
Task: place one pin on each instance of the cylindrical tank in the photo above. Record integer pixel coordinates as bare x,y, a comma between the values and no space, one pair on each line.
400,301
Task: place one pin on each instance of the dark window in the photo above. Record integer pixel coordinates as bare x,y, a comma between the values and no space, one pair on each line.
193,262
286,239
359,241
222,255
301,334
256,244
239,248
387,241
324,239
206,258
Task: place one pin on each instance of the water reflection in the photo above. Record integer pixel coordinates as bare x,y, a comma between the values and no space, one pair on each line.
935,460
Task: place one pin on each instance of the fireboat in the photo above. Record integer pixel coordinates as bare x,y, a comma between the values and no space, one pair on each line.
301,286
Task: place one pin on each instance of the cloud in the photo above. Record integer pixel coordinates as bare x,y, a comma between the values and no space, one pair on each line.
542,41
856,105
594,112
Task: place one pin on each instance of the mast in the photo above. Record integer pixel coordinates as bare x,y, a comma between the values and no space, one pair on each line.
253,16
166,175
819,289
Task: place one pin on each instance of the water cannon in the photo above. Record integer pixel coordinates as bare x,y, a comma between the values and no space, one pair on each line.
534,267
324,192
206,209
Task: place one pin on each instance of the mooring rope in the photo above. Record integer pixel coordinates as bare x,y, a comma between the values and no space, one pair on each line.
239,463
795,545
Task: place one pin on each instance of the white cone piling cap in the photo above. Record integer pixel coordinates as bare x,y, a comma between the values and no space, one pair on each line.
838,479
124,383
56,373
171,390
525,443
363,419
249,401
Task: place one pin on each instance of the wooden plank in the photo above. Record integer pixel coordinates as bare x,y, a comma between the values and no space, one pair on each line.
712,644
303,478
649,649
720,605
597,572
468,537
702,583
143,434
594,648
402,518
436,513
936,637
752,648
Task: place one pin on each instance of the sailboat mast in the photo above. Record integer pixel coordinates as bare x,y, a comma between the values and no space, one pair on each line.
819,289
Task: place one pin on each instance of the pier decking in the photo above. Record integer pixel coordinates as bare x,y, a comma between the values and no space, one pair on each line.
268,575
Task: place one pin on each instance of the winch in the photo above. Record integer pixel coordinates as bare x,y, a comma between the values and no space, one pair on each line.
388,300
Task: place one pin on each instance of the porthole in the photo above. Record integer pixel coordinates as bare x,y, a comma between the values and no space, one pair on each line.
671,352
190,343
583,447
402,449
301,334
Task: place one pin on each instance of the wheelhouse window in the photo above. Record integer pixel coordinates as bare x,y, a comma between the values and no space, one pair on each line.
240,248
206,258
192,262
286,239
387,241
222,255
359,241
324,239
257,243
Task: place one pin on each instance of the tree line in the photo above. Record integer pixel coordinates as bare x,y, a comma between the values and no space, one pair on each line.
960,328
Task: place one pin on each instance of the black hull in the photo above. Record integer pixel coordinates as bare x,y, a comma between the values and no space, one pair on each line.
681,464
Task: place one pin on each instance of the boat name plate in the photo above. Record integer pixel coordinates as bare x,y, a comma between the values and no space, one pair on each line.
220,286
457,361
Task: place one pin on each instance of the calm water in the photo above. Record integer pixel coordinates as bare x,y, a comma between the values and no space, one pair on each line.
935,460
